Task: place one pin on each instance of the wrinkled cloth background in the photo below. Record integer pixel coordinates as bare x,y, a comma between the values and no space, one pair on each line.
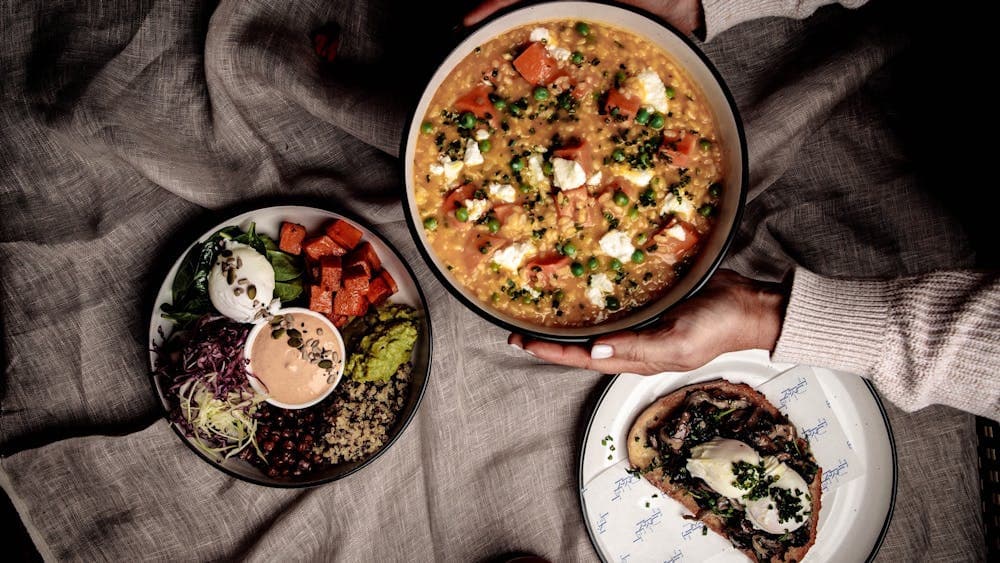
127,128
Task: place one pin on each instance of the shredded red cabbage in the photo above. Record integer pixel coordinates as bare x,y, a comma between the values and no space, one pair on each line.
213,345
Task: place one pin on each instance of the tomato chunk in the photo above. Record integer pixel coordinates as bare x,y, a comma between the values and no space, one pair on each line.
477,101
344,234
536,65
579,151
626,104
674,242
679,149
292,235
544,270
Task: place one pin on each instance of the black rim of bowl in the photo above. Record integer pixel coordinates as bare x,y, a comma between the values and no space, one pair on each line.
403,424
538,333
888,430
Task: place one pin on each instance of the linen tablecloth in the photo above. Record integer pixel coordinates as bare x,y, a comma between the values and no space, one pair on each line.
126,128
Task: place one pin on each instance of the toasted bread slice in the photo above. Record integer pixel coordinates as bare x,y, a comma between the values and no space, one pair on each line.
642,455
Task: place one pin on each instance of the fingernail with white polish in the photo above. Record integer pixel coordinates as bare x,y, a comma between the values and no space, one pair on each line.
601,352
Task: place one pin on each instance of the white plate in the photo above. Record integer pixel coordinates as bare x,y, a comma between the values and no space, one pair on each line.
268,221
854,517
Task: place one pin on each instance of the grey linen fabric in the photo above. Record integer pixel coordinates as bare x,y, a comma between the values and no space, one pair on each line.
128,127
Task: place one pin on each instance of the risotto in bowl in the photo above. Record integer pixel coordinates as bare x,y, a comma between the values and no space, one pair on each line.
573,169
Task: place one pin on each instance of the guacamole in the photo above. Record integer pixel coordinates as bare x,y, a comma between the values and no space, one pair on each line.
380,342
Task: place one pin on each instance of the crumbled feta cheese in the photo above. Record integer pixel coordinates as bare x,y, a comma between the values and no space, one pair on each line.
477,208
510,257
640,178
567,174
651,90
448,167
683,208
595,180
559,53
617,245
482,134
504,192
535,173
540,34
534,293
676,232
472,155
600,286
436,169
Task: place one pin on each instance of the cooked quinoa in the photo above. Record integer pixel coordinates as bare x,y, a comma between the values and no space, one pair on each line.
361,416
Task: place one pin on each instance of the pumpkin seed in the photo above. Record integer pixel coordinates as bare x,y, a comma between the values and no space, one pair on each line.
294,342
277,333
231,276
276,320
326,364
226,253
294,333
252,292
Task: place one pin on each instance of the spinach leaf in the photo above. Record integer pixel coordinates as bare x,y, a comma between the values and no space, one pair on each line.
286,267
288,290
252,239
269,243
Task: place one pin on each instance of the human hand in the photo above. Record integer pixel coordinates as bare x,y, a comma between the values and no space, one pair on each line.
685,15
730,313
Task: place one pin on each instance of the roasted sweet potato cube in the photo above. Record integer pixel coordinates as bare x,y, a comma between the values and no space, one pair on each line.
365,253
330,271
355,280
320,300
318,247
344,233
292,235
350,304
378,291
393,288
339,321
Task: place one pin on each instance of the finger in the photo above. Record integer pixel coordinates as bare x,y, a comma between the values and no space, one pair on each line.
484,9
580,357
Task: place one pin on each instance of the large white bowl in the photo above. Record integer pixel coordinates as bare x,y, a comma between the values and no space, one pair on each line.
731,137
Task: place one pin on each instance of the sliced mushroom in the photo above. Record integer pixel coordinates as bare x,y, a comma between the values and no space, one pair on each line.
699,397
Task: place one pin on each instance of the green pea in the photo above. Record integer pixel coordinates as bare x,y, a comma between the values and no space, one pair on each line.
715,189
705,144
569,249
577,58
485,145
638,257
431,223
498,102
547,168
620,77
467,120
495,297
620,199
593,263
645,159
576,268
427,127
633,213
656,182
618,155
641,238
517,164
462,214
524,188
670,92
657,120
495,267
541,93
582,28
616,264
526,299
493,225
642,116
706,210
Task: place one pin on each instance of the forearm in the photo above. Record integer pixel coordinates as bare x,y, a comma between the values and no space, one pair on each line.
932,339
720,15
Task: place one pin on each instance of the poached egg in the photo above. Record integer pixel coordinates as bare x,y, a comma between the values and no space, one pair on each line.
241,283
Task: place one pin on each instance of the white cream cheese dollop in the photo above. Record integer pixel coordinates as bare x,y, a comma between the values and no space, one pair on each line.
237,269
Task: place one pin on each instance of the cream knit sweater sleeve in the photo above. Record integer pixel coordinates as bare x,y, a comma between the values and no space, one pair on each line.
932,339
720,15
